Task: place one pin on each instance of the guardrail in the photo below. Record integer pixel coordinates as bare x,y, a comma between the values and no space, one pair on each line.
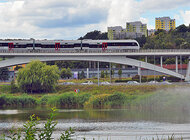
97,51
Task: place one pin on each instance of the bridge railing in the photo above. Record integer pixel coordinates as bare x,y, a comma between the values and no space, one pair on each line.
95,51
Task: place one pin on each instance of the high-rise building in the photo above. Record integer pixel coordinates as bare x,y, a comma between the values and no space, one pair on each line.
116,32
132,30
165,23
136,27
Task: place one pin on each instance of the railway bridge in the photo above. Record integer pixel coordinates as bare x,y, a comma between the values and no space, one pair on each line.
125,57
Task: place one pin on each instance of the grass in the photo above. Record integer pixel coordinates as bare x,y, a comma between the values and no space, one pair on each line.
90,96
22,100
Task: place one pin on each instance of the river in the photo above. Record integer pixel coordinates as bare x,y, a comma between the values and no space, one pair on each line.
106,124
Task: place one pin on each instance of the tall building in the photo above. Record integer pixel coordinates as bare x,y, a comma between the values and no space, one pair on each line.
136,27
116,32
165,23
132,30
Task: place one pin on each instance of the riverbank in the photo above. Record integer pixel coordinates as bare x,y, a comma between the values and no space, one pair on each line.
87,96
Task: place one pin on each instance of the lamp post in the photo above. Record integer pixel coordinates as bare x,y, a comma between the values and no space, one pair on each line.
180,63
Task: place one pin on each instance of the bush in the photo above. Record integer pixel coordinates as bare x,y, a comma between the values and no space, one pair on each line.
116,100
24,100
66,100
14,88
31,132
106,101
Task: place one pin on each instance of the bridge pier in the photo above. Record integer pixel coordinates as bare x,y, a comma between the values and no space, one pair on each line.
146,59
98,73
176,64
161,61
139,72
110,72
187,78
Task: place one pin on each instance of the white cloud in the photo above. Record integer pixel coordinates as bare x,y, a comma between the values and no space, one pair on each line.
70,19
186,17
122,12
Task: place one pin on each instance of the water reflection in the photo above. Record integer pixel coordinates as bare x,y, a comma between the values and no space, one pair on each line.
105,123
108,115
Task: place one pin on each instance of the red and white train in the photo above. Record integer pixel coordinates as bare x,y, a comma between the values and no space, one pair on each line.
61,45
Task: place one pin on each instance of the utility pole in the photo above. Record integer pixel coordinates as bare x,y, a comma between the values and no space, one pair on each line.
98,73
110,72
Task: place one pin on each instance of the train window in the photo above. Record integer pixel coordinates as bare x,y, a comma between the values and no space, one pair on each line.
4,44
85,44
122,44
48,46
69,46
93,46
38,45
77,45
21,46
29,45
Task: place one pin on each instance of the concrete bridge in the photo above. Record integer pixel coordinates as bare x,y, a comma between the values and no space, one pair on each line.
114,56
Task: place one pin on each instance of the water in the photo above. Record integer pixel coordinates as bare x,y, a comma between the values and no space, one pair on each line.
106,124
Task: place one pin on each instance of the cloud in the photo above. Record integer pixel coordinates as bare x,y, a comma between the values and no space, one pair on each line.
186,17
121,12
159,5
70,19
75,19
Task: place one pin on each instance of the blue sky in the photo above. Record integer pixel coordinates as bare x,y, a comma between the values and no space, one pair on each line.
71,19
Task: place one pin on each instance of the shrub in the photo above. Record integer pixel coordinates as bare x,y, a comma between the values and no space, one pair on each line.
31,132
24,100
116,100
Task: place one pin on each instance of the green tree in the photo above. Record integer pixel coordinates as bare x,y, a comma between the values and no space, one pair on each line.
112,73
64,73
38,77
182,28
95,35
69,74
82,75
102,75
106,74
4,74
14,88
119,73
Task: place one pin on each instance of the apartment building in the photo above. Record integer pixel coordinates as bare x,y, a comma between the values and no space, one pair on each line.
132,30
116,32
165,23
136,27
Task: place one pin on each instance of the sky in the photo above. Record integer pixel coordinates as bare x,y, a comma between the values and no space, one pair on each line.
71,19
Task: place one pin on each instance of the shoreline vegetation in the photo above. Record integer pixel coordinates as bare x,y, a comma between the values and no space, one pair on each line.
89,96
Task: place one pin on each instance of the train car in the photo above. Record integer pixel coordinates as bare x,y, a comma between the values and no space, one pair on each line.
61,45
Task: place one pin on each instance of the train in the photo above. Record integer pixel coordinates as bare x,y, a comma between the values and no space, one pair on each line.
61,45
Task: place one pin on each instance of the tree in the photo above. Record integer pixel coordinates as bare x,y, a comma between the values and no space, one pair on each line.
112,73
119,73
69,74
38,77
182,28
82,75
106,74
102,75
4,74
64,73
95,35
14,88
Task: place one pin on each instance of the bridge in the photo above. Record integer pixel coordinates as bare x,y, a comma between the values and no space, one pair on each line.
112,56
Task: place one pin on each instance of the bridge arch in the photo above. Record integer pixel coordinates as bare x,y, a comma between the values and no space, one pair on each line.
112,59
